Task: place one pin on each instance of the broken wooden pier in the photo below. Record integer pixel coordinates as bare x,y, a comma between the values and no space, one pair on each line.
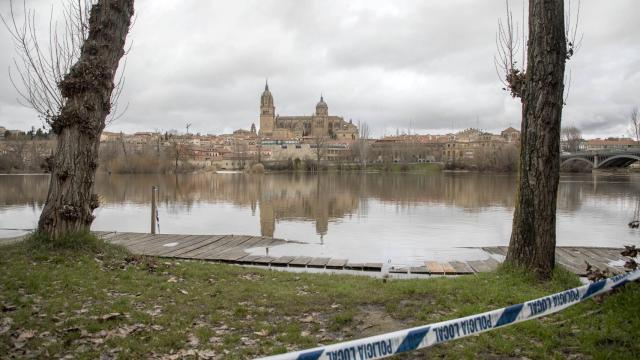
233,249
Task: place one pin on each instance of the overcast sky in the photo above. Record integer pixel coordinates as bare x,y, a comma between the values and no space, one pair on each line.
424,65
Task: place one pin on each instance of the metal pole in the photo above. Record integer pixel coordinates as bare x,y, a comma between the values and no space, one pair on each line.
154,189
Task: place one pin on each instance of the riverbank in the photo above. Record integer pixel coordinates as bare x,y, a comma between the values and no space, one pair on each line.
95,300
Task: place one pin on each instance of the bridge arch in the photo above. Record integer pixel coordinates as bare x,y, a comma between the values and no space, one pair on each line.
576,159
629,157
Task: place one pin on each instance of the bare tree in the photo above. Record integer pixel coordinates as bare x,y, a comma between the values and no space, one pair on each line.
319,148
512,42
362,146
635,123
540,89
572,136
70,82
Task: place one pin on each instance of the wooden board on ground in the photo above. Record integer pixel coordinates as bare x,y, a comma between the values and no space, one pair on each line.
218,252
434,267
448,269
265,260
498,250
191,244
462,268
282,261
318,262
354,266
336,264
232,256
300,261
395,270
127,239
249,259
567,259
372,267
484,265
194,254
155,243
419,270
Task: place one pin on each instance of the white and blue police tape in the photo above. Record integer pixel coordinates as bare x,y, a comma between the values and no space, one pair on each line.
380,346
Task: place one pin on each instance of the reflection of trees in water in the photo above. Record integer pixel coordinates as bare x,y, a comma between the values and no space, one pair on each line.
28,190
321,198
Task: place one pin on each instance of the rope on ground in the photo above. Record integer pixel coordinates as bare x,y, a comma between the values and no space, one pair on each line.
381,346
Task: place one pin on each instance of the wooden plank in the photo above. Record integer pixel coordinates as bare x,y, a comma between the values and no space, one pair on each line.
419,270
372,267
592,258
566,257
336,264
218,253
434,267
150,241
282,261
498,250
484,265
448,269
252,242
600,259
300,261
108,235
264,260
249,259
189,245
195,247
233,256
462,267
154,243
129,238
318,262
142,243
193,254
354,266
395,270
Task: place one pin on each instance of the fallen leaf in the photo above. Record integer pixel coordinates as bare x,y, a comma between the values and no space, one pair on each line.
110,316
8,308
207,354
172,279
263,332
184,292
5,325
26,335
307,319
193,340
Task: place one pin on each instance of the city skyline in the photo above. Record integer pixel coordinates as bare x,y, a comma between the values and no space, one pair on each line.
428,71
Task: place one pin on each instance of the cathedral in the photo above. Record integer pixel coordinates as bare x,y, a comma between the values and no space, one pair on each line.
320,124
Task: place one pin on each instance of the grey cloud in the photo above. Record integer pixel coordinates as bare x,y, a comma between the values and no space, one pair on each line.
392,64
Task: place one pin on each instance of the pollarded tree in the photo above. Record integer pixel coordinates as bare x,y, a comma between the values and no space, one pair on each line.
540,87
71,84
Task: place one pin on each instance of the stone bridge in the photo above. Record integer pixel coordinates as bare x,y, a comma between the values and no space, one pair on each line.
600,159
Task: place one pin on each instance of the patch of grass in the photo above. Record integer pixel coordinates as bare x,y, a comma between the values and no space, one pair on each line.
86,298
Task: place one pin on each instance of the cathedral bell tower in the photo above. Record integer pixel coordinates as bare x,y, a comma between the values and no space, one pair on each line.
267,112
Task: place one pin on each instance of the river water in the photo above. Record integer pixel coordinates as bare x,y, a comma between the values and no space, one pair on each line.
401,219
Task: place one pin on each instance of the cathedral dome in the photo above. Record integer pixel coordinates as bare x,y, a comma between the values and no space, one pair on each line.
322,108
266,99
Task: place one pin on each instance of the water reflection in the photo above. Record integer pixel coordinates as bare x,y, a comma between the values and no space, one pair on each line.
453,206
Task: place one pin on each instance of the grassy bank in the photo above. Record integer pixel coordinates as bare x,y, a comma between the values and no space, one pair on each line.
95,300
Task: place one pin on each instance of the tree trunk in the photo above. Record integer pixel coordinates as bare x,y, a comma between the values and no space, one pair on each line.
87,90
533,235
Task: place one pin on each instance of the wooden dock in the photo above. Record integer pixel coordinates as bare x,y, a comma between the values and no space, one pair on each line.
233,249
